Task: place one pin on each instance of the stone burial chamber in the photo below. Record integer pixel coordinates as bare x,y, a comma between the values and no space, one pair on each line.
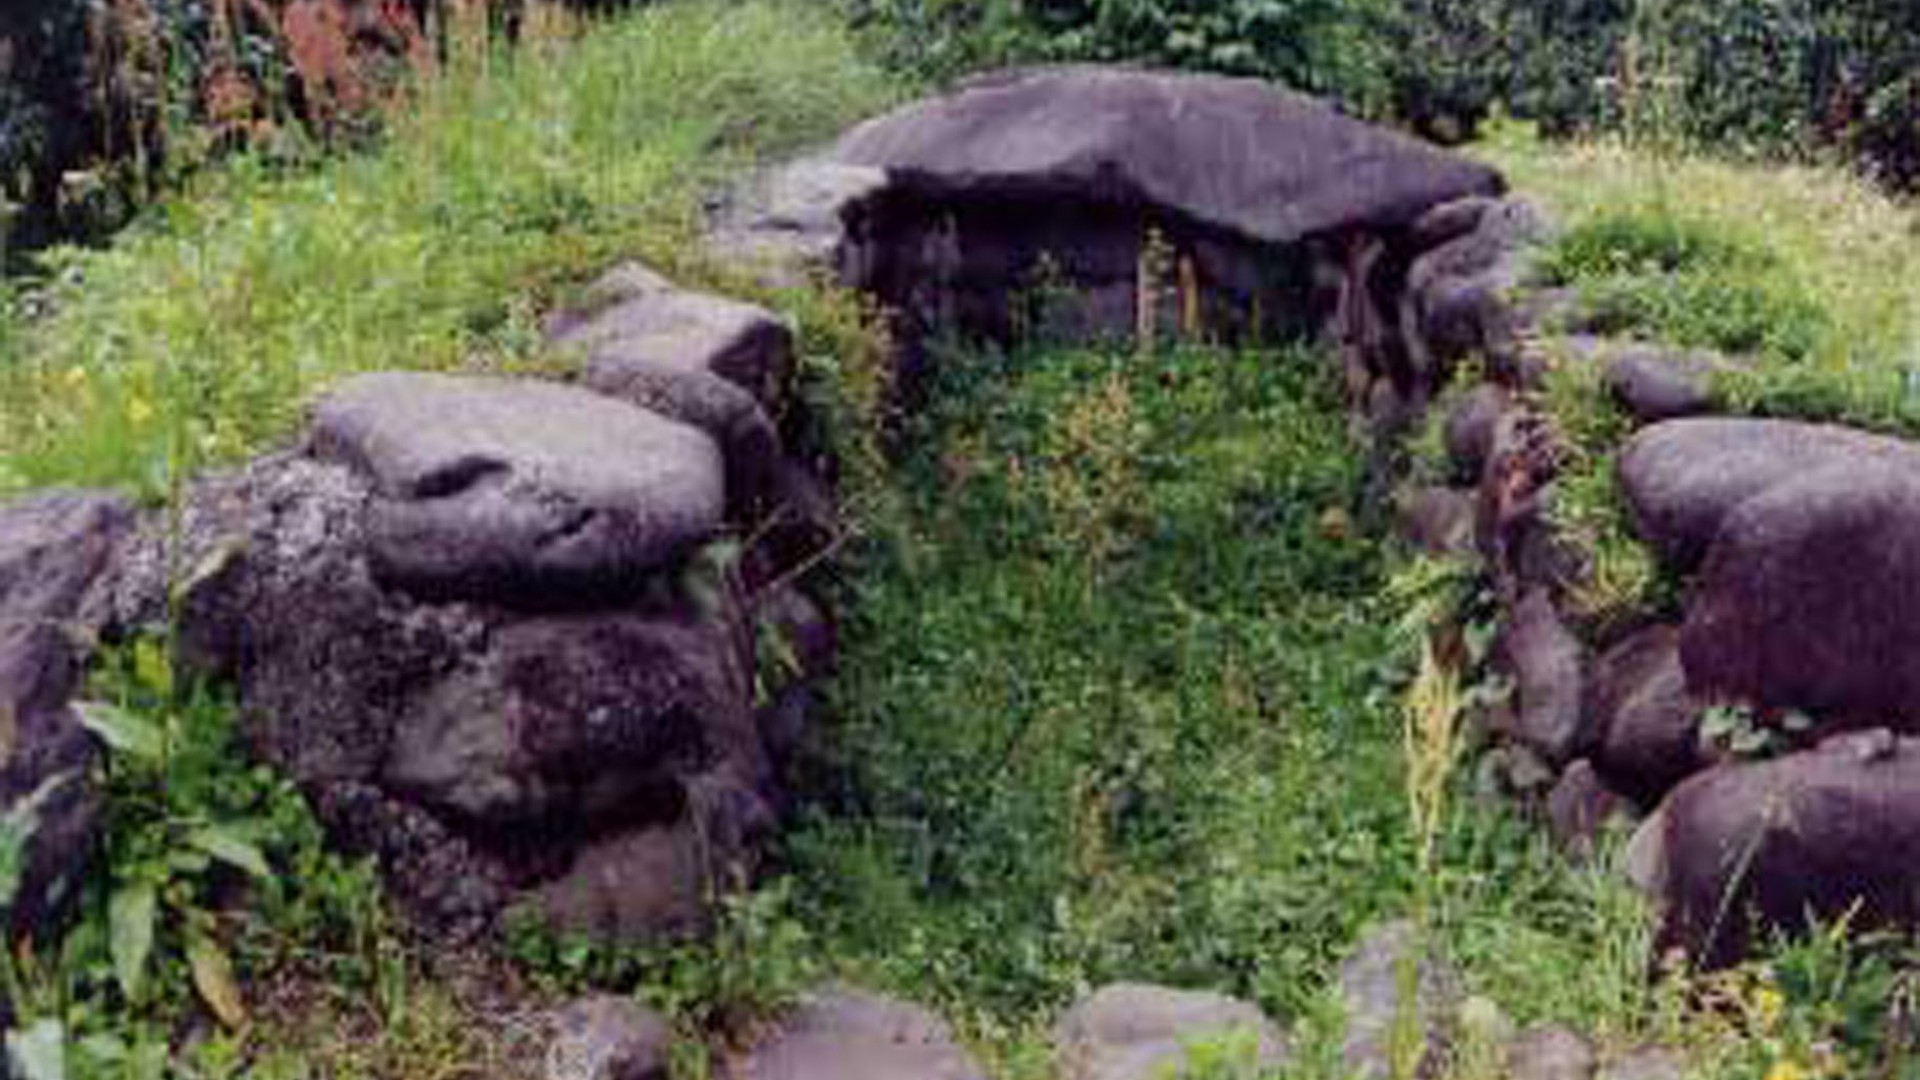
1089,202
512,635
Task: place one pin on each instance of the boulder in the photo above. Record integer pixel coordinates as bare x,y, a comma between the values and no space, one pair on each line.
1649,723
1551,1052
1471,427
1580,808
1513,525
1370,984
1461,297
54,550
1807,599
563,759
1826,833
633,317
603,1037
716,364
791,225
1683,477
1548,667
1235,155
1130,1031
1436,520
488,488
1451,220
1655,383
845,1034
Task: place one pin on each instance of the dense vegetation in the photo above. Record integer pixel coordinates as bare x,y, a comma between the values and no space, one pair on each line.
1791,77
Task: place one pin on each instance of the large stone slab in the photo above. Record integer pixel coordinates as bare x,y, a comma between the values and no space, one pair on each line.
1683,477
1130,1031
1808,599
1240,155
497,489
847,1034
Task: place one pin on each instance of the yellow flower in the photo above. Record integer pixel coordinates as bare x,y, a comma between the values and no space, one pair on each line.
1769,1003
1788,1070
139,410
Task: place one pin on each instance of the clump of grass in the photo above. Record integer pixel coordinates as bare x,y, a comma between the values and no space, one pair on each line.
211,322
1809,269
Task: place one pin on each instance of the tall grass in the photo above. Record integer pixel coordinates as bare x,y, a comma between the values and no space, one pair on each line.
1809,269
204,329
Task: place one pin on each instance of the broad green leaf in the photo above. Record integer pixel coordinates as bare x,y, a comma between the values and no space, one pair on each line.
122,731
213,979
130,920
39,1051
230,846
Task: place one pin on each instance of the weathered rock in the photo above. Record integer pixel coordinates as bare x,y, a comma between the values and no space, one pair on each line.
608,1038
1654,383
1683,478
1648,1063
633,317
1370,983
1233,154
1807,599
1824,833
716,364
1552,1052
490,488
649,885
53,549
1507,226
1649,723
1451,220
488,755
790,225
1471,427
1462,296
1436,520
1128,1031
850,1035
1513,523
1547,664
1580,808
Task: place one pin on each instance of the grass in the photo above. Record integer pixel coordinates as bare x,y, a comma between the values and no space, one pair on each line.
1113,721
1806,274
197,337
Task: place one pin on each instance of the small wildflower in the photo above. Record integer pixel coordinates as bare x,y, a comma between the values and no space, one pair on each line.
1769,1004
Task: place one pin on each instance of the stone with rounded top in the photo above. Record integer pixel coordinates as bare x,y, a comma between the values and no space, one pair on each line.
518,489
